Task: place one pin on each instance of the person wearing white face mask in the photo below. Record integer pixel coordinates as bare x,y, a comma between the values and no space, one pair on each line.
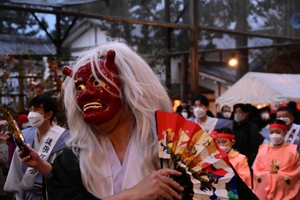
246,133
225,139
47,139
23,121
184,111
200,110
265,117
293,130
226,112
276,167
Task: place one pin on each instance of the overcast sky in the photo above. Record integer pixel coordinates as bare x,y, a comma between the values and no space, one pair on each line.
50,19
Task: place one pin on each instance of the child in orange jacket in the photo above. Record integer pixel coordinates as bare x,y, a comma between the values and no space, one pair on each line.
276,171
225,139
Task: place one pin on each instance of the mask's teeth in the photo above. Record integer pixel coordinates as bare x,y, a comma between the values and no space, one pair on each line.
92,105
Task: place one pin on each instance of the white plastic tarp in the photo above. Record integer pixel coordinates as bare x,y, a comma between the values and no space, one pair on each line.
260,88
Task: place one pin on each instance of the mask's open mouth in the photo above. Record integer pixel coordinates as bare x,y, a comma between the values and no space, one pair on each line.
93,105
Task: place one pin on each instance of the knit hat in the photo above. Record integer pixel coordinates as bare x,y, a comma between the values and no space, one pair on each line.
22,118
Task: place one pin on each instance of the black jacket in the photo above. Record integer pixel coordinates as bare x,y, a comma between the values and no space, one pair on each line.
64,181
247,139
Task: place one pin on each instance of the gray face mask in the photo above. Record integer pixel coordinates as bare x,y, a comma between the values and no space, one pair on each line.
239,117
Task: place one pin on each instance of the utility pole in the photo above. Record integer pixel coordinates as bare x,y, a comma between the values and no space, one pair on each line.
168,45
194,47
58,34
184,62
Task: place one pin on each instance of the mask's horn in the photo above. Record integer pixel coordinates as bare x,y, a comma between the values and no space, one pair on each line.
67,71
110,58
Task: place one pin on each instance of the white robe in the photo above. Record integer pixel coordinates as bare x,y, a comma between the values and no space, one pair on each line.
126,176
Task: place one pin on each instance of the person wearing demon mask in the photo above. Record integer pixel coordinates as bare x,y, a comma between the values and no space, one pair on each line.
111,96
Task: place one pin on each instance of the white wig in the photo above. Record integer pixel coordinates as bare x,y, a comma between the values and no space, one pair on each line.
141,94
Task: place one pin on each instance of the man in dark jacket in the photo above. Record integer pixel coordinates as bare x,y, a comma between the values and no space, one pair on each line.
247,134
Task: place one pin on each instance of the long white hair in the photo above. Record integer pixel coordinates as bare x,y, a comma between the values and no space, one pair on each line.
141,94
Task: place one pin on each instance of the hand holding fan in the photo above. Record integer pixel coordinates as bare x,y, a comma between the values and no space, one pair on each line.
189,147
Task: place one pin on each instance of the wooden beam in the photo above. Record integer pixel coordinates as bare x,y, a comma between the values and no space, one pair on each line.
58,35
69,28
43,27
178,53
94,16
181,13
134,21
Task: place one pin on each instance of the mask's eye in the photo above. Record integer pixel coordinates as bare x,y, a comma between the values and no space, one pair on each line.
80,88
99,83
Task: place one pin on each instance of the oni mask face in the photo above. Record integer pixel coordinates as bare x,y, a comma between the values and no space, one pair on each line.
98,99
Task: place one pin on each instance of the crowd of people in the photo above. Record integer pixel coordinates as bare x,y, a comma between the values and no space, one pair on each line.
109,150
263,146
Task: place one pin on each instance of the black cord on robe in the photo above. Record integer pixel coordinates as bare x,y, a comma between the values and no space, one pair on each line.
244,192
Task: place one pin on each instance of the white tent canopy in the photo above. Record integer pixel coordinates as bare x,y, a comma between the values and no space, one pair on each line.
260,88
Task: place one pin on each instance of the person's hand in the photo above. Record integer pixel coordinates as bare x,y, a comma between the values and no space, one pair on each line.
34,160
3,123
3,137
31,160
159,184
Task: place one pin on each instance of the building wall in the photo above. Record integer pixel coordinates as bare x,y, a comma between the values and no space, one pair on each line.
91,37
209,83
218,56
